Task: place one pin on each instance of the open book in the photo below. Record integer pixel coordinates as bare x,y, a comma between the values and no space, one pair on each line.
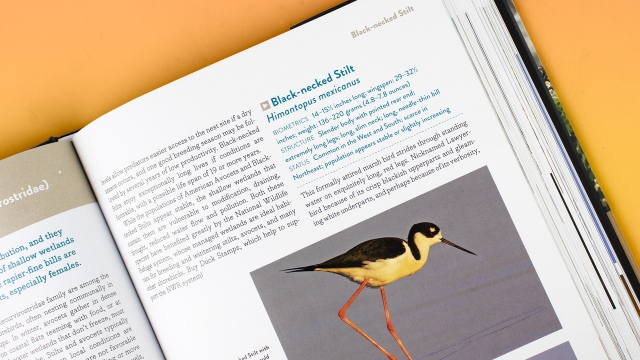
389,180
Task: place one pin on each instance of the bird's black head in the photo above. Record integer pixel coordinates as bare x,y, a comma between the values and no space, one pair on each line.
427,229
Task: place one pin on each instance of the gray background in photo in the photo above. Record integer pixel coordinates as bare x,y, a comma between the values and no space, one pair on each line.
459,306
563,351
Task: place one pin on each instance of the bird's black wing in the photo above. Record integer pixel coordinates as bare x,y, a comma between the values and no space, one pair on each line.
370,250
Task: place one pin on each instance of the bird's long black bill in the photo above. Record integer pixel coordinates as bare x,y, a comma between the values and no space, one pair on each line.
299,269
445,241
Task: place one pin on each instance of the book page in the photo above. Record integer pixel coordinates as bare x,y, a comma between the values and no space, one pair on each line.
64,291
223,188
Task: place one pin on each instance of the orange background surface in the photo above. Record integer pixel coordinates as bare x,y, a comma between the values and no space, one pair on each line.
64,63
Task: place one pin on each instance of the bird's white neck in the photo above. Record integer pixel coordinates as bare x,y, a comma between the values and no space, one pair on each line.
423,243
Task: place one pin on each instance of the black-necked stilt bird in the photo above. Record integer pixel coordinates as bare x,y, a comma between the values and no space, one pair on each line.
379,262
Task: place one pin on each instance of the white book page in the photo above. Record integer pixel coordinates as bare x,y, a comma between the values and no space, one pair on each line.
64,291
352,127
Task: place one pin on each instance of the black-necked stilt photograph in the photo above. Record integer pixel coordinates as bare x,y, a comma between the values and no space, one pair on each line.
441,276
379,262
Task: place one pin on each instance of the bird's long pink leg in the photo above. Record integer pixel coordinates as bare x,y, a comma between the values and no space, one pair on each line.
342,314
392,330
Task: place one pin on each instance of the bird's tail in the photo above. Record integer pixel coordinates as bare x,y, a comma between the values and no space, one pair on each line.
299,269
